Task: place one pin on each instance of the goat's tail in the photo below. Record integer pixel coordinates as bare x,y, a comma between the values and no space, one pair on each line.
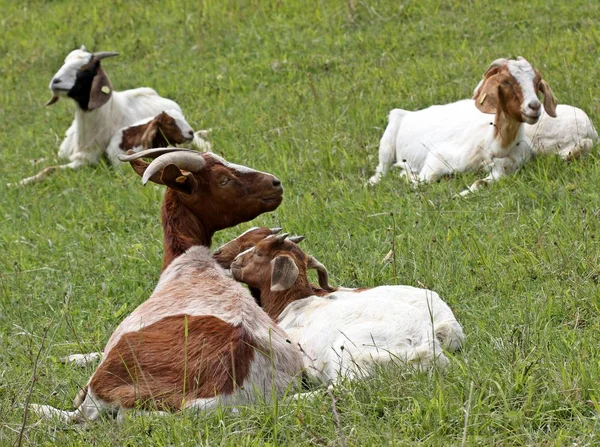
387,145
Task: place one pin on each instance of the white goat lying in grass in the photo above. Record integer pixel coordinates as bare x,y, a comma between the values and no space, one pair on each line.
571,134
462,136
101,112
344,332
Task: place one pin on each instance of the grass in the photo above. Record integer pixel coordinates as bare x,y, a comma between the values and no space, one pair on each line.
302,89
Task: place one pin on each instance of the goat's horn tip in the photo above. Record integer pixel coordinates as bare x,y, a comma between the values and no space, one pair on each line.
52,100
276,230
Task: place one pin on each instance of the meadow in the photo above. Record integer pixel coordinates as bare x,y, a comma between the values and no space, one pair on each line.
302,90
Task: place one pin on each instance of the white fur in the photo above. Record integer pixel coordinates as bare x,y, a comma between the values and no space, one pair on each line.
445,139
346,332
571,134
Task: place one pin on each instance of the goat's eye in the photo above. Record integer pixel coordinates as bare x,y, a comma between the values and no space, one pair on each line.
224,181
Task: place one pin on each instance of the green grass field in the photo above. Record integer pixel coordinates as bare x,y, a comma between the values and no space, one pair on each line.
302,90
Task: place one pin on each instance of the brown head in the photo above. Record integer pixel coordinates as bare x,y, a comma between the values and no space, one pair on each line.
82,79
205,194
168,127
278,268
513,86
226,253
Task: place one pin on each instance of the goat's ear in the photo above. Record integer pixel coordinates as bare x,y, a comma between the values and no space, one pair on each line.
101,90
174,178
149,134
549,98
486,95
284,273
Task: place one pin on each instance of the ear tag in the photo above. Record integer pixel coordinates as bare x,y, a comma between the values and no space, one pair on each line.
483,98
181,179
105,89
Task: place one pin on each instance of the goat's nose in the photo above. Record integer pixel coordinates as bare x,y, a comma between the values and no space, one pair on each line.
535,105
191,132
56,81
276,181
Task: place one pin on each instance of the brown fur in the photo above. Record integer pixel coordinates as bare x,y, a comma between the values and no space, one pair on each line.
159,367
227,253
159,132
256,270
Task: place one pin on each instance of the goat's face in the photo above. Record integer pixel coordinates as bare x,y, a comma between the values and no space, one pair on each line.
218,193
64,79
226,253
175,128
231,193
274,263
512,86
168,127
82,79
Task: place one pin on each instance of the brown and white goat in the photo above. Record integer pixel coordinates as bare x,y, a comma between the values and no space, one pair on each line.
344,332
200,339
459,137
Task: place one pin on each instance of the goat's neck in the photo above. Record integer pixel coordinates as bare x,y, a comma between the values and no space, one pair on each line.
182,229
505,129
273,303
96,127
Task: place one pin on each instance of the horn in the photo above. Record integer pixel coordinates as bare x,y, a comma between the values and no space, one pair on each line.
282,237
276,230
297,239
52,100
104,54
189,160
321,272
153,153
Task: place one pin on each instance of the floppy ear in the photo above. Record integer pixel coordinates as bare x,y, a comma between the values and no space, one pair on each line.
174,178
149,134
486,94
549,98
101,90
283,273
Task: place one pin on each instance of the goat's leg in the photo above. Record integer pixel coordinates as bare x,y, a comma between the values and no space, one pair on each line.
47,172
81,359
89,410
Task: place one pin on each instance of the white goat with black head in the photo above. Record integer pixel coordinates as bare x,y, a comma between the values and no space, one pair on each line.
101,112
461,136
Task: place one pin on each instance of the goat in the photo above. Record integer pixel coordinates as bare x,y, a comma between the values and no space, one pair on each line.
200,339
459,137
570,135
209,195
224,256
344,332
168,127
100,111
